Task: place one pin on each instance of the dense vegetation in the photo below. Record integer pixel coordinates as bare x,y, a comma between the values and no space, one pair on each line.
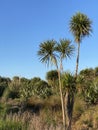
62,100
26,101
54,52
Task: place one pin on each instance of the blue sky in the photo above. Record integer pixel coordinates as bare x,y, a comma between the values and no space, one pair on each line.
24,24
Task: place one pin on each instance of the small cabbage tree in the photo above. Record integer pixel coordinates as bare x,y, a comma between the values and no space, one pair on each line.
69,86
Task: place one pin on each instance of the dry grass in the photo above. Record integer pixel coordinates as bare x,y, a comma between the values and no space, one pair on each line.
79,108
33,122
47,120
49,116
88,120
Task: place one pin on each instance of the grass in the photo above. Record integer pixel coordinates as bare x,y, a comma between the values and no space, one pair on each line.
11,125
48,116
27,121
79,107
89,119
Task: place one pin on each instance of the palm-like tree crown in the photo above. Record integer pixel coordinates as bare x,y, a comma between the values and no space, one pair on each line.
80,26
49,50
46,52
64,48
69,82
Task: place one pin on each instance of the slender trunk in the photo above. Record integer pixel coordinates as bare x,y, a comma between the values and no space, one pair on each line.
69,103
77,60
61,94
62,101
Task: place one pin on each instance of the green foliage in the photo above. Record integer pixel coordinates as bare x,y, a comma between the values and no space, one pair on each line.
54,53
96,71
46,52
88,74
50,51
91,93
42,89
11,125
25,91
34,87
69,83
65,49
35,80
3,84
52,78
88,85
6,94
4,109
80,26
14,87
52,75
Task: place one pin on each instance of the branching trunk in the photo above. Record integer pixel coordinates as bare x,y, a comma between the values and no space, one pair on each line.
69,102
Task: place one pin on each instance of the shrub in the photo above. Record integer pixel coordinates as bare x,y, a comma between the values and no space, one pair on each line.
91,93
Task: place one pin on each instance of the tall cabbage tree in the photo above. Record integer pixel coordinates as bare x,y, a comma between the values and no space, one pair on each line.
54,53
80,26
65,50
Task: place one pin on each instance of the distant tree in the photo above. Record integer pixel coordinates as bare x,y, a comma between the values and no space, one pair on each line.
33,83
14,87
52,75
88,74
3,84
34,80
85,79
52,78
16,78
96,71
23,79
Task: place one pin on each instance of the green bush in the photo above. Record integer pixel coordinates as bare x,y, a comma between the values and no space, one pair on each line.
91,93
3,84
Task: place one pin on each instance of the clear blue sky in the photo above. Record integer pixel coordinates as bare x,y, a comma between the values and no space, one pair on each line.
24,24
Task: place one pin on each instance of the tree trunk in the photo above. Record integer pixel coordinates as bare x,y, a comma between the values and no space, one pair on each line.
69,102
62,102
77,60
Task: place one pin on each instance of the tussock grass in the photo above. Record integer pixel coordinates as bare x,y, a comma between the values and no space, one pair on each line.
48,116
88,120
27,121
